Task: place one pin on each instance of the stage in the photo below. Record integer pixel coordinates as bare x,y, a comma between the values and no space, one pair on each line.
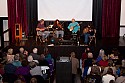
64,50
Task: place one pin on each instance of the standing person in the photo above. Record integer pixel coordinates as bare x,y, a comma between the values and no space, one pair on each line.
86,35
74,26
75,66
58,29
41,30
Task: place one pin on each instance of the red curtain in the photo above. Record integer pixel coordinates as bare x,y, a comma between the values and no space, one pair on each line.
17,14
111,18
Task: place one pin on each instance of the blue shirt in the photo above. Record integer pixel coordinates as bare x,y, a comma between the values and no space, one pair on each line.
75,25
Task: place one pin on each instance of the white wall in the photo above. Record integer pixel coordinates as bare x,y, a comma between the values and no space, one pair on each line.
3,8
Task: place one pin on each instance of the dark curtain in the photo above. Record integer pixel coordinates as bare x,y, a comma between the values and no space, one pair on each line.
97,16
111,18
17,14
32,16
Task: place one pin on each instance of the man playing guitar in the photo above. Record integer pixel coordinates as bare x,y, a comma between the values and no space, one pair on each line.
41,30
74,26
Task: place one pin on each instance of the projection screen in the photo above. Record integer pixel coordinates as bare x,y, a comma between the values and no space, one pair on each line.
3,8
122,22
65,10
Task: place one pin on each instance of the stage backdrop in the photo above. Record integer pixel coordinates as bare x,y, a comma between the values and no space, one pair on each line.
65,10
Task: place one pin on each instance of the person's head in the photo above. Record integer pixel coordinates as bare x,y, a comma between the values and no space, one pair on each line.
33,80
56,22
111,81
30,58
16,57
21,50
73,20
90,55
73,54
110,71
87,50
32,64
110,63
122,72
18,81
104,58
35,50
42,21
93,62
26,52
42,56
101,53
95,70
10,51
24,63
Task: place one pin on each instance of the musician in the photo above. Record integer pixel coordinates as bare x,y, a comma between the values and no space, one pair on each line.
74,26
42,30
58,29
86,34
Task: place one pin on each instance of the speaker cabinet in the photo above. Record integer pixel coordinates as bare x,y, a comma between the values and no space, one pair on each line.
63,72
18,32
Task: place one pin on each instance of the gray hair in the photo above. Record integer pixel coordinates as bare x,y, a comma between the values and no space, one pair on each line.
10,51
21,49
35,50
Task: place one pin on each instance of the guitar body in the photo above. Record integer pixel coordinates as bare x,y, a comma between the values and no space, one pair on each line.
71,28
74,27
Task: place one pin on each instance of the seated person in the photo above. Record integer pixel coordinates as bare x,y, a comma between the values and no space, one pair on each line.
58,29
74,26
42,30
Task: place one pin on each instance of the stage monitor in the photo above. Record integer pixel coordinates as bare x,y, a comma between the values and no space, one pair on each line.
64,59
65,10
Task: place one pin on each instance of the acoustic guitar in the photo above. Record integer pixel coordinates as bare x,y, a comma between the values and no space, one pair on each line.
72,27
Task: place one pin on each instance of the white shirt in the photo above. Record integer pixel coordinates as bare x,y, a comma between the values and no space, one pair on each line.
89,70
36,71
106,78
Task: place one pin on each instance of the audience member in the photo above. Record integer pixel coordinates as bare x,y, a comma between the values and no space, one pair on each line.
101,55
110,65
109,76
121,79
75,66
35,55
94,65
33,80
23,71
104,61
16,61
10,56
21,53
85,54
43,61
9,75
94,76
36,72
